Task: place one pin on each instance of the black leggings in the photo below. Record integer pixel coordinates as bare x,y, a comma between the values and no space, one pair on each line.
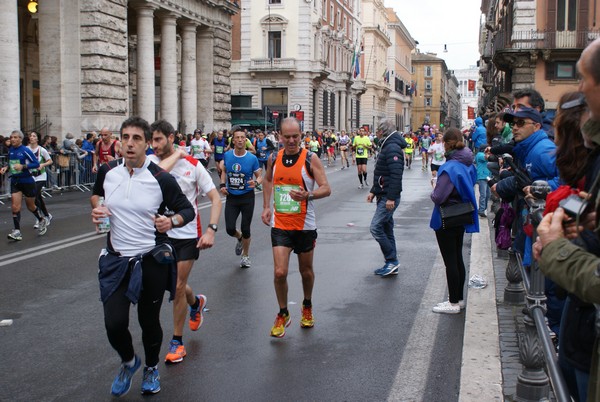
116,313
450,242
235,205
39,200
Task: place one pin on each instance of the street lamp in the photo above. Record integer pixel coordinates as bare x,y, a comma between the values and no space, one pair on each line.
32,6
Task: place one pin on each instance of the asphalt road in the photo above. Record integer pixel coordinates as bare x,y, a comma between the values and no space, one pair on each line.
375,338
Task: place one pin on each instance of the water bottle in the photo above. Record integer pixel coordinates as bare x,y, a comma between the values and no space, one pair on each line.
104,225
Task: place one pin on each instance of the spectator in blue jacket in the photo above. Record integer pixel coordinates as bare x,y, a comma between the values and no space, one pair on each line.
483,174
387,186
479,136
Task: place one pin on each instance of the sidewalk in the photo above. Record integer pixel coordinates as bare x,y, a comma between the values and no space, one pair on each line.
490,362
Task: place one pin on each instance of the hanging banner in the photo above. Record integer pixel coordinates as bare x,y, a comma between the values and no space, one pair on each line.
471,85
470,113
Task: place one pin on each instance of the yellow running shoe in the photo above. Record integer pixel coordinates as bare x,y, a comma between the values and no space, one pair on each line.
281,321
307,320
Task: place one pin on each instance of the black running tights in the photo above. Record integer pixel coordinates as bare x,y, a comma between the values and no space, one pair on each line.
116,313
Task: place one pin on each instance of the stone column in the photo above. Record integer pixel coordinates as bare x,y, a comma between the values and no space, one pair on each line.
145,62
10,116
343,118
60,66
189,90
168,68
204,53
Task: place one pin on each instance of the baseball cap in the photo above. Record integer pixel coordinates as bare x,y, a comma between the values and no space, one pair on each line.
523,113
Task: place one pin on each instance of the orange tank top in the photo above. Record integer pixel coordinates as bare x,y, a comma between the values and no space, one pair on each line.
289,214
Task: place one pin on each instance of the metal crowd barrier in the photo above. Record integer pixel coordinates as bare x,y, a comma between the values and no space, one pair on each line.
536,349
68,171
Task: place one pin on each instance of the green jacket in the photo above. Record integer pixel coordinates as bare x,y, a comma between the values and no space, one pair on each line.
576,270
572,268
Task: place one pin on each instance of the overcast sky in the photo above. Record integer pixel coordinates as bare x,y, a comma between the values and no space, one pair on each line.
434,23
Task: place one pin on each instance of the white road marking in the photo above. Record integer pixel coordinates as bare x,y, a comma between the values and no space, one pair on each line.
58,245
411,377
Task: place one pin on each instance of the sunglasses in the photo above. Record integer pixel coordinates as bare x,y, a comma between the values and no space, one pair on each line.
520,123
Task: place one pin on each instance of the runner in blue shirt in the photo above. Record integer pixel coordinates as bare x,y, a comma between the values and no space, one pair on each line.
21,160
218,145
240,174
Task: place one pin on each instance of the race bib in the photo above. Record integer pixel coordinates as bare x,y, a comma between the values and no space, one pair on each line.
283,202
360,151
11,165
439,156
219,149
237,181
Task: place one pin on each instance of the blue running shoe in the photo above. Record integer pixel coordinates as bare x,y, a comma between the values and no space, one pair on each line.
122,382
378,271
390,269
150,383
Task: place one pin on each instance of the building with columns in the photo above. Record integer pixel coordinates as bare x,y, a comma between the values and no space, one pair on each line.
376,40
399,105
296,56
468,98
80,65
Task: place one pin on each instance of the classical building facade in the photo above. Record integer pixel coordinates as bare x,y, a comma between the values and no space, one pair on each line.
452,99
374,65
430,104
532,43
398,76
80,65
469,97
296,56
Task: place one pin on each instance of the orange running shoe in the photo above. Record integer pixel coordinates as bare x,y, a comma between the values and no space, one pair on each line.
307,320
197,315
176,352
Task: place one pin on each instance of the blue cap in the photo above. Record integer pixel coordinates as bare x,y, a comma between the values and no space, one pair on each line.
524,113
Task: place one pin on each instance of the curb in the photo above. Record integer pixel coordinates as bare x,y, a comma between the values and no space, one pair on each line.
481,371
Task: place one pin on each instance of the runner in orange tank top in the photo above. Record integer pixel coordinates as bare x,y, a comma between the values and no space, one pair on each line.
291,177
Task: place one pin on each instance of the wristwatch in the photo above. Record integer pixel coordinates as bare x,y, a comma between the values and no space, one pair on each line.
310,196
213,226
175,221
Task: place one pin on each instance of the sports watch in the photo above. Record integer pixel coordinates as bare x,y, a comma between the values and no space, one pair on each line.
213,226
175,221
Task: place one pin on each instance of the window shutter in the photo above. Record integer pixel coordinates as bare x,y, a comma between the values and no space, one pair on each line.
550,67
551,15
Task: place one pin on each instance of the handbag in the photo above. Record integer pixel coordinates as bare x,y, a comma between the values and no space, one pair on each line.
457,215
63,161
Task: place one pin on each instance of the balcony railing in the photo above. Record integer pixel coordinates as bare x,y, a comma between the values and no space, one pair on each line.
546,39
274,64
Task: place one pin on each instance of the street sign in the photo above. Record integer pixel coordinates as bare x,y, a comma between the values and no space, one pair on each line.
275,114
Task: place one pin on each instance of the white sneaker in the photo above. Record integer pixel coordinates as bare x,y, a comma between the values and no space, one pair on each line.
245,262
360,187
36,225
446,308
48,219
42,227
462,304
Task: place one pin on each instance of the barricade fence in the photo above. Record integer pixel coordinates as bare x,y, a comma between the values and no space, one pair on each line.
537,351
67,172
